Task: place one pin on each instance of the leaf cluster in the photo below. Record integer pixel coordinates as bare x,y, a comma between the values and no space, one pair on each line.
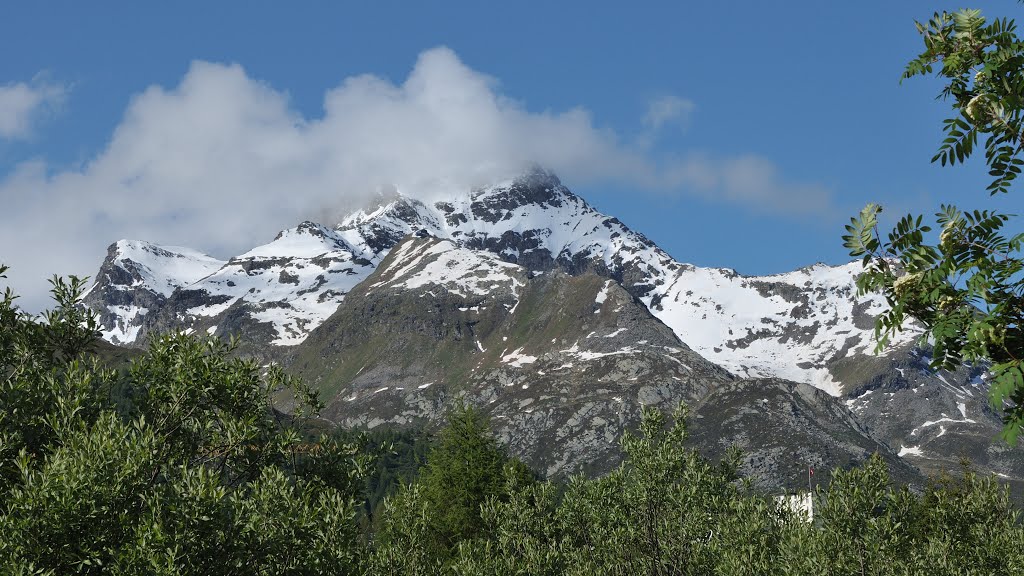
966,287
982,64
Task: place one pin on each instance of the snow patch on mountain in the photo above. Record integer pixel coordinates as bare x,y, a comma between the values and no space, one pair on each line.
137,276
126,330
602,296
163,268
787,325
462,272
294,282
910,451
518,359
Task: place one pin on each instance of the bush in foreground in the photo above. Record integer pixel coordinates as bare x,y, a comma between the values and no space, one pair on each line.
180,464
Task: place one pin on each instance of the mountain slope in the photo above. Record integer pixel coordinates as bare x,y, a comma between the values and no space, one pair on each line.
783,429
493,285
934,420
794,326
561,363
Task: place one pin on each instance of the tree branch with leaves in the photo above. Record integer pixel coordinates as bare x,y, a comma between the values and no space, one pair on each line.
966,289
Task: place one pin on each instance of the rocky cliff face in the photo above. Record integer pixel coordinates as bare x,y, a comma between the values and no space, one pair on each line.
934,420
561,322
562,363
785,429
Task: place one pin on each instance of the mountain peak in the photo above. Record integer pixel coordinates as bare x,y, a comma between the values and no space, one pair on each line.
159,268
137,277
747,324
535,177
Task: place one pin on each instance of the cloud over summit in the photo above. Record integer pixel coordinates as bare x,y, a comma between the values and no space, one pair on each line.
221,162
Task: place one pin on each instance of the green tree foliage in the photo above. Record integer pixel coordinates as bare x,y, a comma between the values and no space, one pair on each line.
969,524
405,544
863,525
177,465
464,469
180,464
661,512
524,532
667,510
967,289
398,456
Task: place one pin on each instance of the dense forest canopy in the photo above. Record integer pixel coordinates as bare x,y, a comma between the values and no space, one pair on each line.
179,463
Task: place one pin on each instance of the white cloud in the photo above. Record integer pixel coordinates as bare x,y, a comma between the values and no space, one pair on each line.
22,103
667,109
747,180
222,162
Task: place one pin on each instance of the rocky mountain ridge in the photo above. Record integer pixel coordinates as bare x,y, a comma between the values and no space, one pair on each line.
443,280
793,326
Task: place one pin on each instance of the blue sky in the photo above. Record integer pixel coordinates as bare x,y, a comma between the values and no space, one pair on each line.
734,134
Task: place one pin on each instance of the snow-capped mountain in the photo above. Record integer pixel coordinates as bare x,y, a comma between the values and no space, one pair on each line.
562,363
461,281
137,278
290,285
789,326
